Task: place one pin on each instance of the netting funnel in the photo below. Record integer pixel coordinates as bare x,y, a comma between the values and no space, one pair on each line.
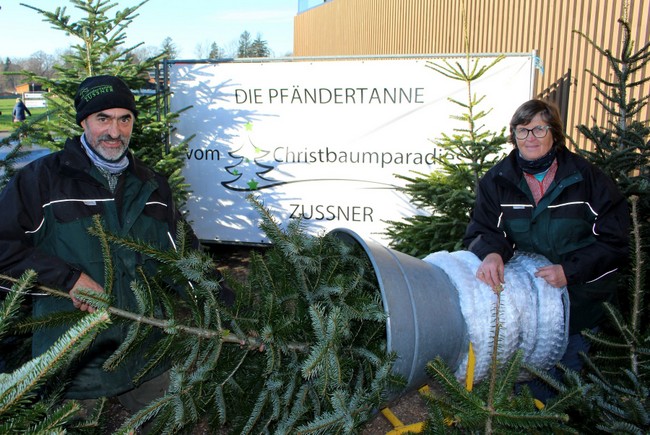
424,315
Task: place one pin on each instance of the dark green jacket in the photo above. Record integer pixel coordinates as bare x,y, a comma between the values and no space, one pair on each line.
581,223
47,208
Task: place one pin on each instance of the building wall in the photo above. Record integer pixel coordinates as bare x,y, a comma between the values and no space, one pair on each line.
375,27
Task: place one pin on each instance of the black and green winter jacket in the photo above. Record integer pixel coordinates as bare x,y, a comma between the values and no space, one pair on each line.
47,209
581,223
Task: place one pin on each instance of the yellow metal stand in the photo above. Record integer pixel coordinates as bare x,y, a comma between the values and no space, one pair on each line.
399,427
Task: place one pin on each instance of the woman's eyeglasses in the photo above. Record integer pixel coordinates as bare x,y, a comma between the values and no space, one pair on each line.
539,132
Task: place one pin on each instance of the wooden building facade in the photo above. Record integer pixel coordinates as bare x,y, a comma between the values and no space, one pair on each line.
550,27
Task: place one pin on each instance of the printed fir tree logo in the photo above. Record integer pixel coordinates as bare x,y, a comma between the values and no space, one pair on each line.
247,170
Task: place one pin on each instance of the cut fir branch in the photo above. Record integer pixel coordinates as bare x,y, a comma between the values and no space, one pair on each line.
10,306
19,390
492,406
312,302
100,301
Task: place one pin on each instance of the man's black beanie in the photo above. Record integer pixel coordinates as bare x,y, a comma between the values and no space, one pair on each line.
100,93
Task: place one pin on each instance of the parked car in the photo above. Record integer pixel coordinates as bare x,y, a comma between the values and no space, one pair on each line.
32,153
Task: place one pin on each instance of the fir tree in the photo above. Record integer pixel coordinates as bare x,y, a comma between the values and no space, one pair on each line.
216,52
621,147
169,48
244,49
448,194
618,375
100,49
617,378
259,47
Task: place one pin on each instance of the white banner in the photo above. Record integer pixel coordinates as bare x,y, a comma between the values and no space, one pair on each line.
321,141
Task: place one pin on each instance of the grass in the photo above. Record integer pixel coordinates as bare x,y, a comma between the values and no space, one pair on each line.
6,107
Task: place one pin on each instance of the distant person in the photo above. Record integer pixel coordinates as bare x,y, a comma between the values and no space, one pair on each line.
20,111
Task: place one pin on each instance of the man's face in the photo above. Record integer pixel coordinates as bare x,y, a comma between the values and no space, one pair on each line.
108,132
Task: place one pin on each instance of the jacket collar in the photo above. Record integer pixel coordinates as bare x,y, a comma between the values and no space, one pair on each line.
510,170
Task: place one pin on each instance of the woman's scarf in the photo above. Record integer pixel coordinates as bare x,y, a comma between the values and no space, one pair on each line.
536,166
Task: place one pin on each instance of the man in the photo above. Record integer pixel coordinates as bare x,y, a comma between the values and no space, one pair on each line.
47,209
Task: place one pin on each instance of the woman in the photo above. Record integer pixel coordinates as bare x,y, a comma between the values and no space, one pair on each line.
545,199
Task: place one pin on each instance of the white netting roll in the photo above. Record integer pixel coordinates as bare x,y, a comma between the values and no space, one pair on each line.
534,315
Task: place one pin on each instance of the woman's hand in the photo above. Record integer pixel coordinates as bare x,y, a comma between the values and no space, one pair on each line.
84,281
491,270
553,274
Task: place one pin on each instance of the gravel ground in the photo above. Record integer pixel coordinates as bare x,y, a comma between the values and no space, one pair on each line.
409,409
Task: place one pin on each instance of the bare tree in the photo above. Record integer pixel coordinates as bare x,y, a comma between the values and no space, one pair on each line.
41,64
144,52
202,49
231,49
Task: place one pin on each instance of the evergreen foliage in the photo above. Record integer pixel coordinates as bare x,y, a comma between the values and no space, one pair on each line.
100,50
618,373
8,164
448,194
169,48
22,407
617,377
216,52
249,47
303,350
244,47
621,147
260,47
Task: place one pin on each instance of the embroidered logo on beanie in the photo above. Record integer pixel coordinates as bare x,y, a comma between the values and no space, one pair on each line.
100,93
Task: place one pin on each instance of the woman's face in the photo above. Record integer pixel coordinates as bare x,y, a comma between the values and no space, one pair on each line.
532,147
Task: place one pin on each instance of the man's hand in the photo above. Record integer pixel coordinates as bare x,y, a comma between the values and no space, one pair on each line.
491,270
553,274
84,281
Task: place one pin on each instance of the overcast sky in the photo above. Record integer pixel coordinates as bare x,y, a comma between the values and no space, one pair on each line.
187,22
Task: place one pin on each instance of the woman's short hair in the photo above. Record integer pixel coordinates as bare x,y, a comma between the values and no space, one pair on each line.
550,114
